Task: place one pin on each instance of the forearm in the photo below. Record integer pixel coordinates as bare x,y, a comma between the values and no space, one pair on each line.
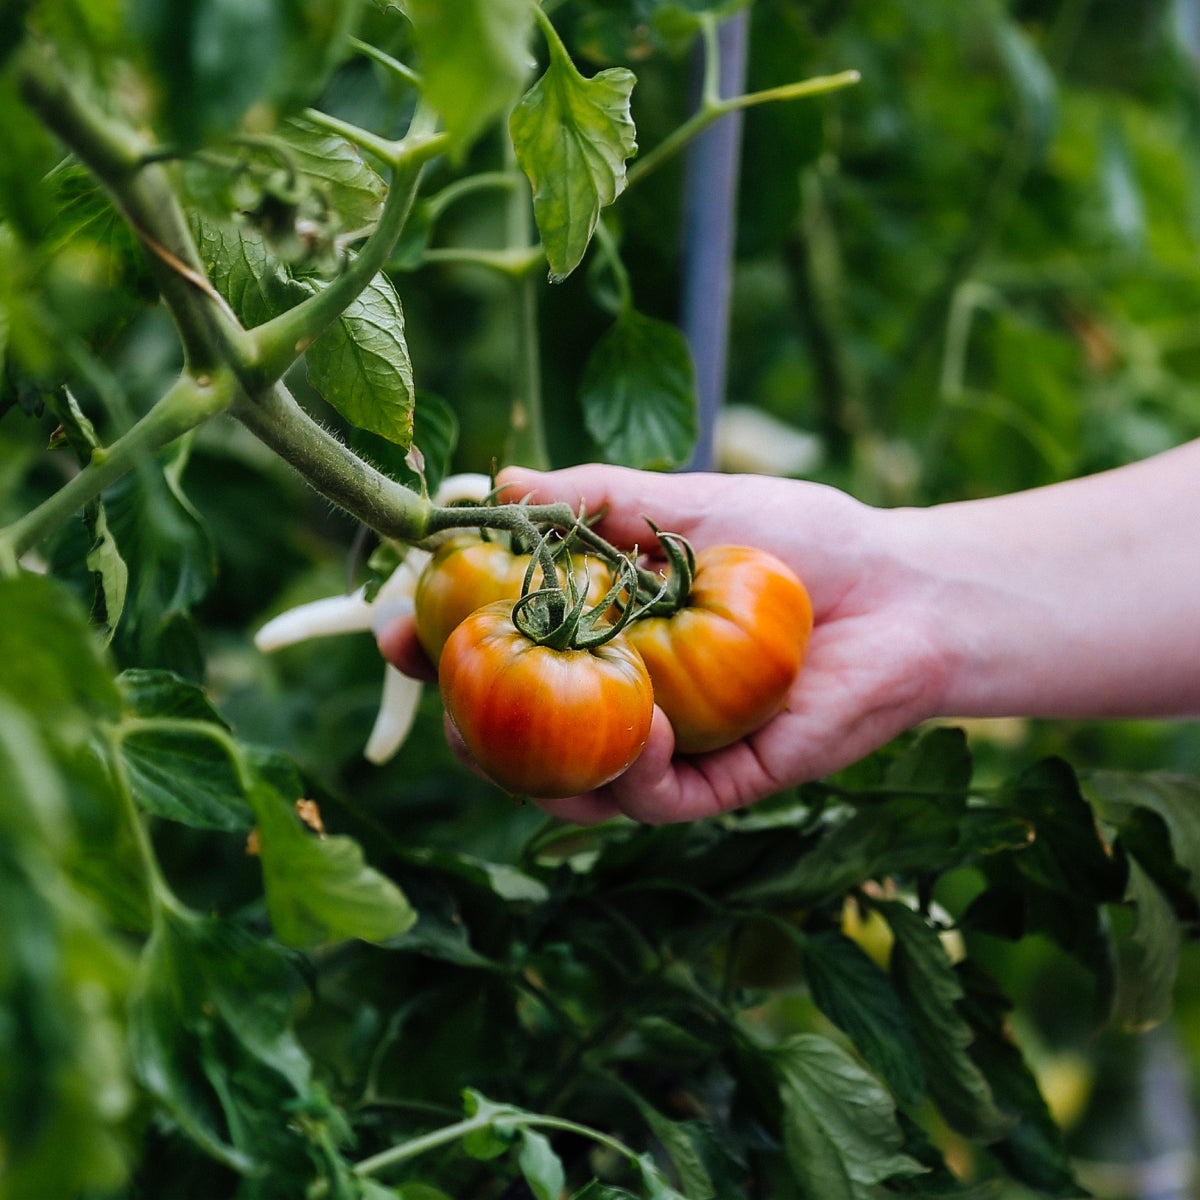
1077,600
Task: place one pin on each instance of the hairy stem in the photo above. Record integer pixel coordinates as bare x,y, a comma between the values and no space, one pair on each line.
331,467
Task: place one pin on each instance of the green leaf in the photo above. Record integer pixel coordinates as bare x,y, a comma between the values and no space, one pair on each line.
936,761
655,1182
677,1138
176,759
319,889
638,393
360,364
1067,871
108,569
55,666
851,990
185,775
253,282
1173,798
170,557
1033,1151
349,185
211,1037
927,983
1148,963
542,1168
572,137
474,60
840,1131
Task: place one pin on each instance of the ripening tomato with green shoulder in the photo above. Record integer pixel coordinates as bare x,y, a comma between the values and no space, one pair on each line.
540,721
724,660
468,572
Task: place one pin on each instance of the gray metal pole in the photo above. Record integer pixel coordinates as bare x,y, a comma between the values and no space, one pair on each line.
709,230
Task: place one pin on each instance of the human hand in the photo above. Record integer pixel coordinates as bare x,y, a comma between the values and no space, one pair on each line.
872,668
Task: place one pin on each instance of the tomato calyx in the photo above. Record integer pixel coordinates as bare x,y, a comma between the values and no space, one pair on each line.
558,616
678,577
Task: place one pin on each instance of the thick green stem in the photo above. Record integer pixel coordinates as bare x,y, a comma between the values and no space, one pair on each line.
188,403
332,468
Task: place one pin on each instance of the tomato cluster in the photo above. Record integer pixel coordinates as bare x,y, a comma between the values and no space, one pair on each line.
553,720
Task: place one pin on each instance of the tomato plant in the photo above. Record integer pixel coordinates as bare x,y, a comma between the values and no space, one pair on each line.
728,650
268,273
468,572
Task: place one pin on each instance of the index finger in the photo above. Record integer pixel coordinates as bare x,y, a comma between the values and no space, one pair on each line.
624,499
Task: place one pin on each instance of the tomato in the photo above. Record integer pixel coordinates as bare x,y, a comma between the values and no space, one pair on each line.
466,573
539,721
723,663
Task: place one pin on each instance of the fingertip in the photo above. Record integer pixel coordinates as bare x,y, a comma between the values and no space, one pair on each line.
400,646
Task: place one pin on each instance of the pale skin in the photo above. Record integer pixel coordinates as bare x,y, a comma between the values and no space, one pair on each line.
1078,600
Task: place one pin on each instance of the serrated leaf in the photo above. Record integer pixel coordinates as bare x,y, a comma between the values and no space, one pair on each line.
474,60
185,775
638,394
176,765
1033,1151
840,1131
572,137
360,365
351,187
852,991
1171,796
1148,965
320,889
236,260
1067,871
926,981
936,761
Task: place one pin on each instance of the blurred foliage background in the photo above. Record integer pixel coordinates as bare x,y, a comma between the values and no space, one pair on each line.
977,270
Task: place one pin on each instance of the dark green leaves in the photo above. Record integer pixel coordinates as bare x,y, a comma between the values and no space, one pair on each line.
858,997
572,137
927,983
638,393
211,1037
180,762
840,1131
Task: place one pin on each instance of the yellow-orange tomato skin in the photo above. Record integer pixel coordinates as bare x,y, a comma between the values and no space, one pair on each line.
723,664
541,722
467,572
